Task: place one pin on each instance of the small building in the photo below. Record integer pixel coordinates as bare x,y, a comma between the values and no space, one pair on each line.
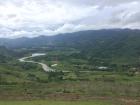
102,68
54,65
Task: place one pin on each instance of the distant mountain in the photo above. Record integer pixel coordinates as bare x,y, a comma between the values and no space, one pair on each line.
102,43
89,38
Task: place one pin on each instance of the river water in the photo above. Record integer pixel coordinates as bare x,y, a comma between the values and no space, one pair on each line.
44,66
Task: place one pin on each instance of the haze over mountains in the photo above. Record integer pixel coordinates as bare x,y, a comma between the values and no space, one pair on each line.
105,37
110,43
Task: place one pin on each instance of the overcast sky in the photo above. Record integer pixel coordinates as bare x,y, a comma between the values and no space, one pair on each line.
49,17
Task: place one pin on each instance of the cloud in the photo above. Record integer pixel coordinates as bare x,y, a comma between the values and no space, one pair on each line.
32,18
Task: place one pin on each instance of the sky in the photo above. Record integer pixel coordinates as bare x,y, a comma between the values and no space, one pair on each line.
31,18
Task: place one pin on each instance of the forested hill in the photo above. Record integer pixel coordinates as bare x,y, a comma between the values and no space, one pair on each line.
103,43
5,54
92,38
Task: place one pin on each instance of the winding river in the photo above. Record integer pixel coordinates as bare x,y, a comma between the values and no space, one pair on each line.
44,66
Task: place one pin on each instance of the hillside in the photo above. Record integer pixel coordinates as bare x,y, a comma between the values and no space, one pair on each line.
91,38
122,44
81,54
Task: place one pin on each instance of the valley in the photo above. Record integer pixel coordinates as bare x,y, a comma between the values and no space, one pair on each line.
69,75
69,52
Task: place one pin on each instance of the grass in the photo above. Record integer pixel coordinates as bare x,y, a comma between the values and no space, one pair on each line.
27,81
45,102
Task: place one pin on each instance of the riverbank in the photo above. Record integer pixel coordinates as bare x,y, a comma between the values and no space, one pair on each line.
44,66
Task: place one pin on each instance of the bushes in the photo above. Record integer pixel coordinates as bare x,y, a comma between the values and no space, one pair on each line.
28,66
105,79
55,76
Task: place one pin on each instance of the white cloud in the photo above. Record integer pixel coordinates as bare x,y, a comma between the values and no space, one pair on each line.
48,17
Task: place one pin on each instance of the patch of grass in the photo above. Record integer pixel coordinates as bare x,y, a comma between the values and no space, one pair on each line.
57,103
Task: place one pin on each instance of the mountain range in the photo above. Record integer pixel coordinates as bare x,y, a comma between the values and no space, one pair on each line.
106,43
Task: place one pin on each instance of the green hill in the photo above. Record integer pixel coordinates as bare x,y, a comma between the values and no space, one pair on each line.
117,49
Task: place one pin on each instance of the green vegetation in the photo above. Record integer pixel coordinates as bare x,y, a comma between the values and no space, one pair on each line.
27,81
97,102
88,72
